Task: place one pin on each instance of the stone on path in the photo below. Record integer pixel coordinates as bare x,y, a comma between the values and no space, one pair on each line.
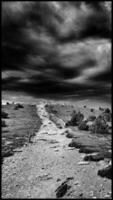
83,163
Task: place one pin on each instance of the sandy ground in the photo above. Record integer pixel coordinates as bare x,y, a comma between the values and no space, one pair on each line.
37,170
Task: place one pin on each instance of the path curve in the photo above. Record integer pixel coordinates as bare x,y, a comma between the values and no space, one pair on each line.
40,168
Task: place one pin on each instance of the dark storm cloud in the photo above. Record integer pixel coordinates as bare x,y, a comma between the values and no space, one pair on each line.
52,48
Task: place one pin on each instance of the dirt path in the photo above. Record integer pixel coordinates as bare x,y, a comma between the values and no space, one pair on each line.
40,168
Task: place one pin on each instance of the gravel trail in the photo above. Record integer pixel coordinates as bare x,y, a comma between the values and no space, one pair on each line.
41,167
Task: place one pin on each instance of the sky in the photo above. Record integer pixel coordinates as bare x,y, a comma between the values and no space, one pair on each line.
57,49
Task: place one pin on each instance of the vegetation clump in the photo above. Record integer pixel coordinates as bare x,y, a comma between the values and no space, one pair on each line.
4,114
83,126
100,126
76,119
91,109
3,123
107,110
18,106
92,118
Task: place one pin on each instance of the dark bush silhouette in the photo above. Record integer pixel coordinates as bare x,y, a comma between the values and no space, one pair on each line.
92,118
106,172
18,106
91,109
83,126
3,123
76,119
107,110
100,126
100,108
4,114
107,117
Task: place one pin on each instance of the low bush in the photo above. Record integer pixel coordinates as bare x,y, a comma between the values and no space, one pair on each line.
18,106
3,123
91,109
83,126
69,134
4,114
92,118
77,118
107,110
107,117
102,109
100,126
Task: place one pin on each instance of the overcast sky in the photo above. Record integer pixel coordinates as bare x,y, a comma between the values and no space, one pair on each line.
57,49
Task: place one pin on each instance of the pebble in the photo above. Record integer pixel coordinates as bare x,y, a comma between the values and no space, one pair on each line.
91,193
83,163
76,183
56,149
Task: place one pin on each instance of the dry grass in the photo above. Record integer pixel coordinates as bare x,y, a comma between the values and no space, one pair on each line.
21,124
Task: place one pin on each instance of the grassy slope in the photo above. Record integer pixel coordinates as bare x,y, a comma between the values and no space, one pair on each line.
84,140
65,112
21,124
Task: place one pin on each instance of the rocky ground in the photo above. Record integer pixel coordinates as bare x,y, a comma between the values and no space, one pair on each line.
49,168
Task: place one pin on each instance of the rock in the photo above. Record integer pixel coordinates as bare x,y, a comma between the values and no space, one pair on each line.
61,190
83,163
106,172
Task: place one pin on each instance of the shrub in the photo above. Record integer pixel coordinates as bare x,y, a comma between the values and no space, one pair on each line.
107,116
68,124
4,114
84,106
18,106
83,126
7,103
77,118
70,134
91,109
99,126
3,123
54,111
92,118
101,108
107,110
